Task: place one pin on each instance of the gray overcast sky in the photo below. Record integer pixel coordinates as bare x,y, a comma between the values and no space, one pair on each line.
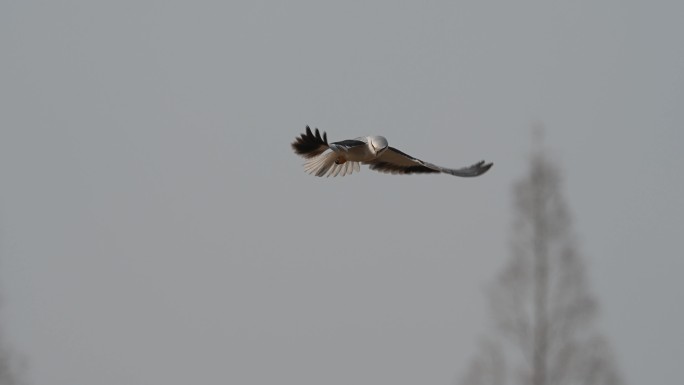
156,228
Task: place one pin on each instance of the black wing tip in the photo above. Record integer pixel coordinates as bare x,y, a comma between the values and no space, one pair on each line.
485,166
310,144
481,167
475,169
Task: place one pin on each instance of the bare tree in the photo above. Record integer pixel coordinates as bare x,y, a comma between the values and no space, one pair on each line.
542,309
8,372
11,365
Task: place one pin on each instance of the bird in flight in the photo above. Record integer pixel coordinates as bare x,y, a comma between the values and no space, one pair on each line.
345,157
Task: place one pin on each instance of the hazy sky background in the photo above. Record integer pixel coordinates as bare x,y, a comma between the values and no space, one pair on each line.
156,228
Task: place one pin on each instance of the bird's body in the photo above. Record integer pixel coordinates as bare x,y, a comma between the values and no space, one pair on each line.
356,150
345,157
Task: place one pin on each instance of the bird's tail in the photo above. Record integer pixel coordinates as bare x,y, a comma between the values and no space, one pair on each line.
324,165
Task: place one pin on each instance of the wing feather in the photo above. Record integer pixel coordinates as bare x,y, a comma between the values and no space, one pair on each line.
310,145
394,161
346,145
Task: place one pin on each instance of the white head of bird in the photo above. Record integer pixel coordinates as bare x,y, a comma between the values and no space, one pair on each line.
378,143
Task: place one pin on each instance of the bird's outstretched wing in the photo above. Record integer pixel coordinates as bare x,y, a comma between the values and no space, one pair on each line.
394,161
309,144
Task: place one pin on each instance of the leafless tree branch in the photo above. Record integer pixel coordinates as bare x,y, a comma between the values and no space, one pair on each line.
541,304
